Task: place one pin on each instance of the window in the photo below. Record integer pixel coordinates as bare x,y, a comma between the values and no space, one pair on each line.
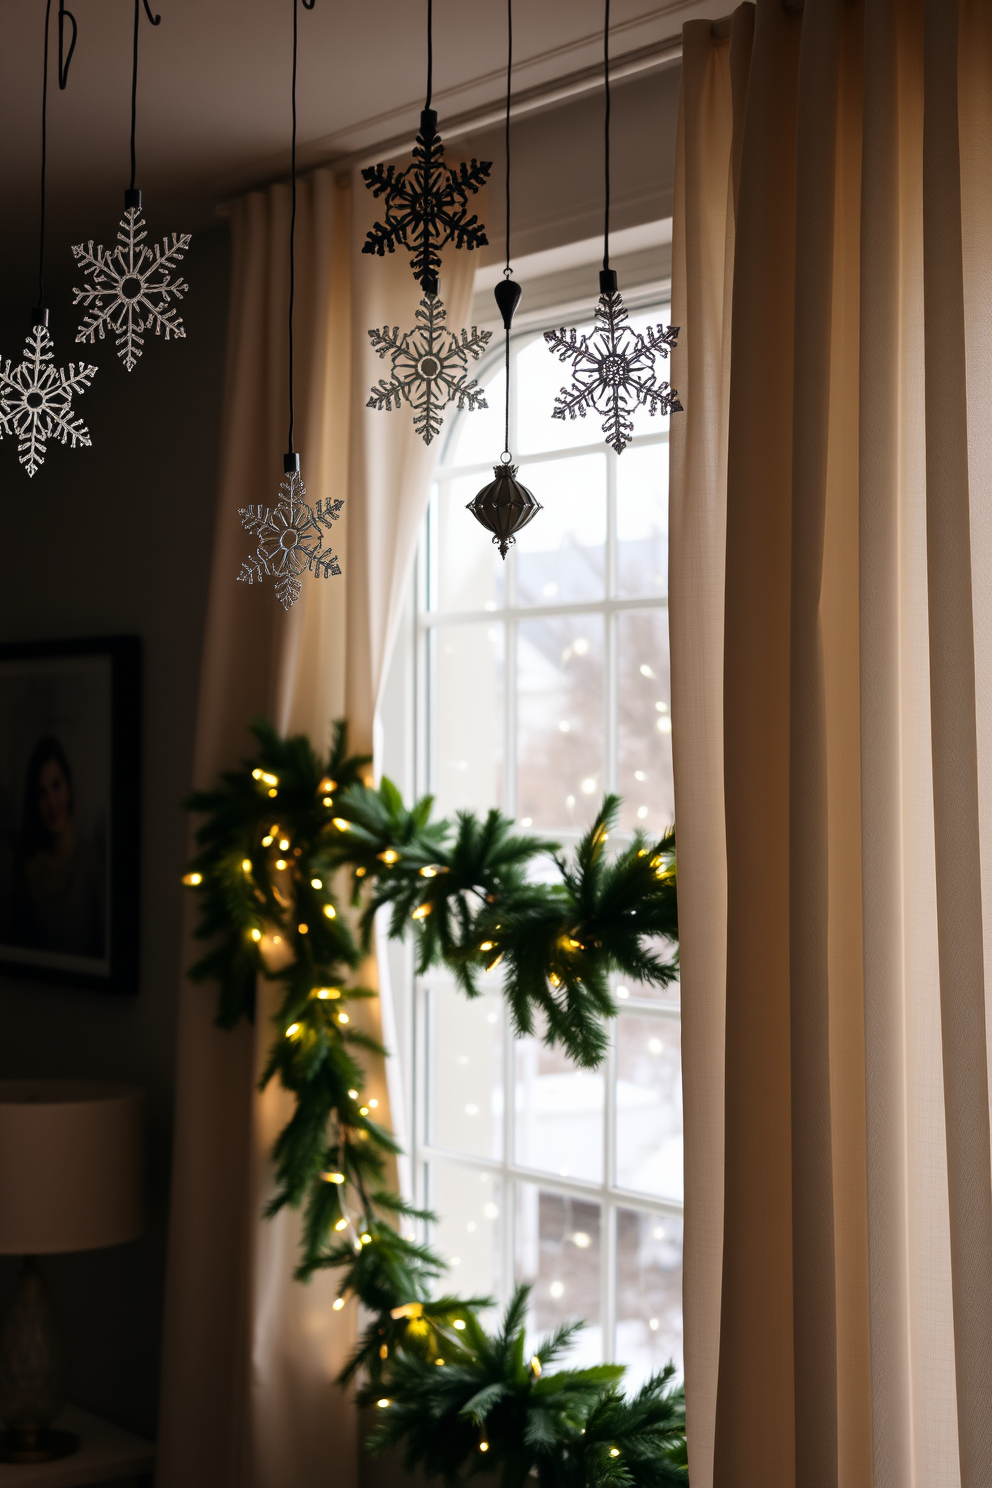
542,683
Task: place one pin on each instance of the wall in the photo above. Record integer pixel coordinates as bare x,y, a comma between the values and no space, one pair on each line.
117,538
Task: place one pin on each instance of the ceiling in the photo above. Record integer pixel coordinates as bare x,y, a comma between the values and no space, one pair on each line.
213,115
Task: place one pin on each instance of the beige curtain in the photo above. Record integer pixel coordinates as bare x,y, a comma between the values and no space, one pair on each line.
831,612
250,1355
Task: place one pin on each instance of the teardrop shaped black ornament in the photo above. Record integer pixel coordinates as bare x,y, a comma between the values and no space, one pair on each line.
504,506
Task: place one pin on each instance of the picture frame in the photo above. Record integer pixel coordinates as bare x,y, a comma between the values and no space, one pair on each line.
70,809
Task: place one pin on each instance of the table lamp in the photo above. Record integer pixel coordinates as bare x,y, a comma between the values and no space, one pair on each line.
71,1160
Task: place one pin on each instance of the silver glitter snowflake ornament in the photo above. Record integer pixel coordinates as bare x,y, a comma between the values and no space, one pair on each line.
132,288
429,366
613,368
426,205
290,540
36,400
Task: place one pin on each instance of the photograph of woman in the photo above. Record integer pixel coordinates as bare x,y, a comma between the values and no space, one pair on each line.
59,874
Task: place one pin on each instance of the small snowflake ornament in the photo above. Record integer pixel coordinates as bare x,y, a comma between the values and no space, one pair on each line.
132,287
426,205
36,400
290,540
613,369
429,366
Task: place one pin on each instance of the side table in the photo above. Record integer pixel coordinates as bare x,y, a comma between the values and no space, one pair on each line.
107,1456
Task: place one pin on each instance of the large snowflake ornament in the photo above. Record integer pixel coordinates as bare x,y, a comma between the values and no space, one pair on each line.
132,288
429,366
36,400
290,540
613,371
426,205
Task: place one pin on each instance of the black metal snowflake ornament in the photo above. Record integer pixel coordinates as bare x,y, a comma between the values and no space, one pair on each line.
429,367
290,540
614,368
426,205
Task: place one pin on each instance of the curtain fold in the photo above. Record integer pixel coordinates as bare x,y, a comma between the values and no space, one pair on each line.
248,1399
832,698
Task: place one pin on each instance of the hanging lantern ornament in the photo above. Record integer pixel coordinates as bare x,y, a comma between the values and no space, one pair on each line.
426,206
132,288
36,396
613,367
290,533
504,506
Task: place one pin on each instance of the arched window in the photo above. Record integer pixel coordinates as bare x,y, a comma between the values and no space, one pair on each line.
543,682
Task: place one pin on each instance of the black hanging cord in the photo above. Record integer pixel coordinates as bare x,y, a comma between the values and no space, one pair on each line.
507,271
39,314
155,20
65,58
606,137
430,53
291,462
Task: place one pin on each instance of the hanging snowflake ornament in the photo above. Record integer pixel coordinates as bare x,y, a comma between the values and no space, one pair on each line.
36,399
290,540
426,205
613,368
429,366
132,288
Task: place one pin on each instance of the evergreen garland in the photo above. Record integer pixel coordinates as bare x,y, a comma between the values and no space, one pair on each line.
278,835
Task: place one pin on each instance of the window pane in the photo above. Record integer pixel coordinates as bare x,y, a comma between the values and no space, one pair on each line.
624,989
540,378
649,1294
560,720
468,1232
477,436
557,1253
649,1105
645,722
642,521
466,1070
469,735
559,1113
470,573
561,552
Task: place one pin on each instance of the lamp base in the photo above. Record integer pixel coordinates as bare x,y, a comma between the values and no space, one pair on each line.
46,1445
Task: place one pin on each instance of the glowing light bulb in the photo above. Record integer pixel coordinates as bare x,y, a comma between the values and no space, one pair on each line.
273,792
366,1239
281,864
535,1365
327,801
459,1323
483,1446
341,824
330,911
333,1178
363,1110
421,912
615,1451
343,1018
292,1030
382,1404
389,857
487,945
316,883
270,779
428,873
256,934
374,1104
342,1224
353,1094
557,1289
246,865
303,929
360,872
192,879
338,1303
267,840
256,774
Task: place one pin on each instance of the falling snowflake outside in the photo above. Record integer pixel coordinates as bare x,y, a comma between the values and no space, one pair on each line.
290,540
429,366
36,400
132,288
426,205
614,371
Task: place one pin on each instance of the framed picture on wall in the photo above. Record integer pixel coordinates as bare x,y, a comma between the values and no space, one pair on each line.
70,799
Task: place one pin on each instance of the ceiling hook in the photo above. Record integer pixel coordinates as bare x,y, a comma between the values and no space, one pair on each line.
65,58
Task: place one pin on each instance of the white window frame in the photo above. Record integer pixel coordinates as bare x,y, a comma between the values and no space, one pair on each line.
429,621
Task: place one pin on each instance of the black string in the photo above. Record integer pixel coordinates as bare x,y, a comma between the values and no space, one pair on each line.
430,53
155,20
64,60
507,271
307,5
606,140
44,161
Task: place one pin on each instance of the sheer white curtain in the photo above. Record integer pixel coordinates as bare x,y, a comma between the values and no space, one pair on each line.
250,1355
832,710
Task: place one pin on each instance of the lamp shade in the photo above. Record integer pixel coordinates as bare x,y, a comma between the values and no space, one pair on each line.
71,1165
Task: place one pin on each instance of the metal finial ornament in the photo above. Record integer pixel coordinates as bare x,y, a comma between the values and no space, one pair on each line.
36,396
429,367
426,205
132,288
613,367
290,539
505,506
